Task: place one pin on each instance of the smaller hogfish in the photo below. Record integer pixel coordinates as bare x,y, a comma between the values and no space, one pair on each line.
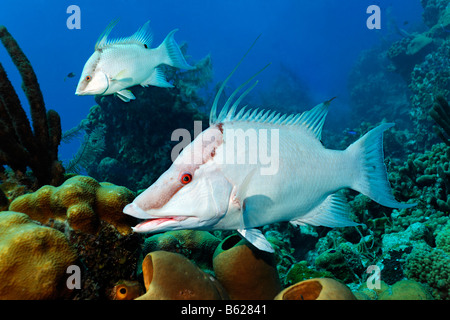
118,64
207,189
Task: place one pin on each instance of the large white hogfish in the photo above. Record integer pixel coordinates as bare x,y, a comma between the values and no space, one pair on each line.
118,64
208,188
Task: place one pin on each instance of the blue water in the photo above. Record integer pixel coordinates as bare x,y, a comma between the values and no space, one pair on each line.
317,40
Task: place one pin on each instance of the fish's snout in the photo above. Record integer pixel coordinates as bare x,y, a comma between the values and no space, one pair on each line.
78,91
134,210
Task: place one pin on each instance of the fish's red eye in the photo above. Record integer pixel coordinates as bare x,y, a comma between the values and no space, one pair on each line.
88,78
186,178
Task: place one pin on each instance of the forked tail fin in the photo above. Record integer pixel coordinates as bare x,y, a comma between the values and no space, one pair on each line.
171,53
372,180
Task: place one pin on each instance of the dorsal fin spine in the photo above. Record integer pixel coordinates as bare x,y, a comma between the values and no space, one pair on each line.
213,114
238,101
102,39
141,36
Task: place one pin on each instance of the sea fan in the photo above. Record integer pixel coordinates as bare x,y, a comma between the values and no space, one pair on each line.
71,134
93,144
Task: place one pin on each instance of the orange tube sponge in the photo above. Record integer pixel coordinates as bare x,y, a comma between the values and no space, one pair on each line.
196,245
245,272
81,201
33,259
126,290
316,289
171,276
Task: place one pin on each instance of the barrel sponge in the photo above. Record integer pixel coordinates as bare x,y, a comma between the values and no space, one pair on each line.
33,259
81,201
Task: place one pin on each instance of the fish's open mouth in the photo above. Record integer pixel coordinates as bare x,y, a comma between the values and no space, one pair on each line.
153,223
157,222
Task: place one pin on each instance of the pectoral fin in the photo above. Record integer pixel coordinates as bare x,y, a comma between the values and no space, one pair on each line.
122,77
256,238
125,95
243,188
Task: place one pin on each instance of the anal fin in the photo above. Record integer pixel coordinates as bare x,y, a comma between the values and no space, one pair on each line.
125,95
332,212
157,79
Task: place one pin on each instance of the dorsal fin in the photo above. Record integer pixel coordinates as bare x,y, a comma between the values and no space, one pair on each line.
312,120
142,36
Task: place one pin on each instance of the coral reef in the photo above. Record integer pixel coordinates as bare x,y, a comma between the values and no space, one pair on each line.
90,215
245,273
422,60
81,201
12,185
335,262
424,177
317,289
33,259
106,258
20,146
405,290
433,10
408,52
171,276
441,115
401,290
401,80
363,292
300,271
431,266
429,80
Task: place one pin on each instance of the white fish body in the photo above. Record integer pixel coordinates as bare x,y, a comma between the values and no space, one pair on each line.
118,64
206,188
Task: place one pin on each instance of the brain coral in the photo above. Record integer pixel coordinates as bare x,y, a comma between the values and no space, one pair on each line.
81,201
33,259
